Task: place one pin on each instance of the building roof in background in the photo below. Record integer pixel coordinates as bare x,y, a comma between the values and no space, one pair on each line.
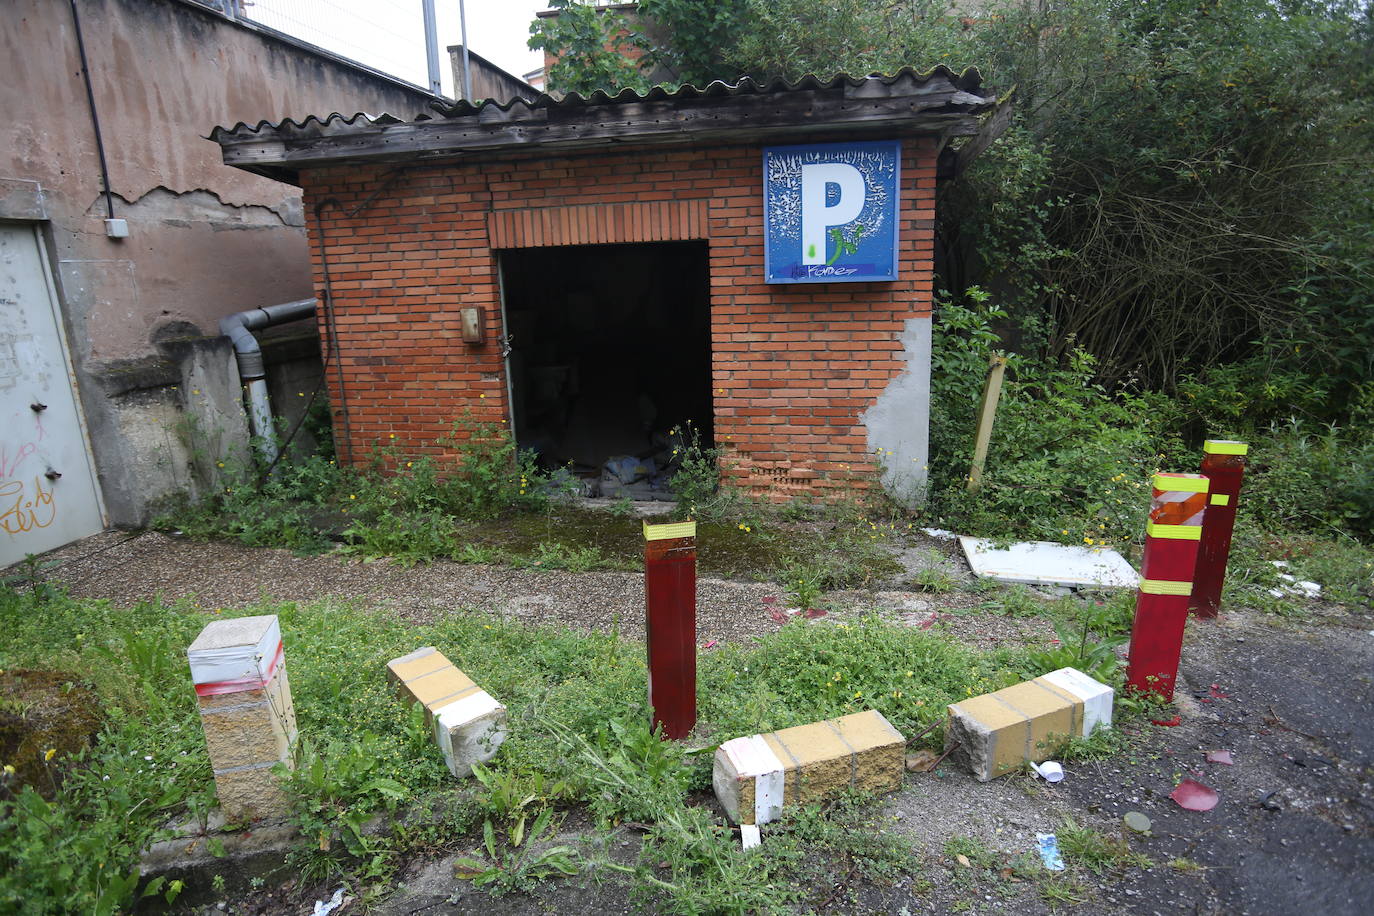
937,102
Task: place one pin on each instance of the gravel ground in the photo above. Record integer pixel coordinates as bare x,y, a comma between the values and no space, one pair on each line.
128,568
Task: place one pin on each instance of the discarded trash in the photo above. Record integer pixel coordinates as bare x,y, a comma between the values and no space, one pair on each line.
1217,694
711,644
1045,563
922,761
1168,723
776,614
813,612
1222,757
749,836
1136,821
1291,585
1192,795
324,909
1048,844
1050,771
939,534
928,622
963,860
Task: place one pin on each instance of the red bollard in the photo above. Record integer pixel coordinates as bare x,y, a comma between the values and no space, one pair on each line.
670,608
1223,464
1166,581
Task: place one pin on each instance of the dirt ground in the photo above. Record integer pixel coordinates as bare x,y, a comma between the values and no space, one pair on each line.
1290,698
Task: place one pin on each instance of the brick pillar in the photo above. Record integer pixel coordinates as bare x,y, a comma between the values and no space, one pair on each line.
239,672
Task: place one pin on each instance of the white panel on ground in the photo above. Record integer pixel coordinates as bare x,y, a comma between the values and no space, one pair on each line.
48,493
1044,563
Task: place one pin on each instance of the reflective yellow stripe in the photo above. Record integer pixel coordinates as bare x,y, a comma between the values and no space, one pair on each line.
1174,532
1221,499
1165,587
1224,447
1180,483
664,532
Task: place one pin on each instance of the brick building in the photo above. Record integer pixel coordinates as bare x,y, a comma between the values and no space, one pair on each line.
609,256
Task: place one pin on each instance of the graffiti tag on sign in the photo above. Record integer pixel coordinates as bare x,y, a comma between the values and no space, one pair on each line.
23,509
831,211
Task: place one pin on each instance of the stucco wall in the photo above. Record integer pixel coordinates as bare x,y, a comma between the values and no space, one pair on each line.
205,240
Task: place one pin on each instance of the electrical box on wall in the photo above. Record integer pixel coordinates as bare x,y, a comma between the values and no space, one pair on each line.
472,325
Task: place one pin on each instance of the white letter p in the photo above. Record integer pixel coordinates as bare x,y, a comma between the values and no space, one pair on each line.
816,215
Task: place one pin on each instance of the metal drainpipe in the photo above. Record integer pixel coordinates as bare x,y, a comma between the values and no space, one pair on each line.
239,328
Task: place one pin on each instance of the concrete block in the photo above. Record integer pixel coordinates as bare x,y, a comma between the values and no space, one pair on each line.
998,732
239,671
755,777
469,725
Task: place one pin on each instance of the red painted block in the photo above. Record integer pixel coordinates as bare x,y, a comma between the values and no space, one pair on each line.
1166,580
1223,464
670,601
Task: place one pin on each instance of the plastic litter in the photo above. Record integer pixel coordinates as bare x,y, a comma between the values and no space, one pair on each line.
1222,757
749,836
1050,771
1136,821
1168,723
1048,844
324,908
1192,795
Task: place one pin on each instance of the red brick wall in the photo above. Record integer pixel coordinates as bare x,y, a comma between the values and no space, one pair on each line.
794,366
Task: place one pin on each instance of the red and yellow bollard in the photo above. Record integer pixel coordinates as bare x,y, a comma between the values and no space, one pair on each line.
1166,581
670,601
1223,464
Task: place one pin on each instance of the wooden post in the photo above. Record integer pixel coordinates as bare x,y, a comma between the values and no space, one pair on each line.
992,392
1223,464
1166,581
670,610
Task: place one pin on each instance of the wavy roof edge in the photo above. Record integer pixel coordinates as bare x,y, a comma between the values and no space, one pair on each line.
969,80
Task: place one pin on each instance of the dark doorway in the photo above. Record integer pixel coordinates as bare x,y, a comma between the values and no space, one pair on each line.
610,352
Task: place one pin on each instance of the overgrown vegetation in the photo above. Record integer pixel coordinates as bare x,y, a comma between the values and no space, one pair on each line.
577,737
1171,243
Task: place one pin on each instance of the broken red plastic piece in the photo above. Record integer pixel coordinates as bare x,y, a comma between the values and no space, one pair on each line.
777,615
1168,723
1222,757
1217,694
1192,795
813,612
929,621
710,644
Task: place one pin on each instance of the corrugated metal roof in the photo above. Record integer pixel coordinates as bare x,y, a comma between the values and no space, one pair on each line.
968,85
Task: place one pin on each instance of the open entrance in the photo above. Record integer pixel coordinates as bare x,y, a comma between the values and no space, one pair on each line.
610,351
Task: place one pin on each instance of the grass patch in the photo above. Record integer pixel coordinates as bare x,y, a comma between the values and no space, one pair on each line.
574,699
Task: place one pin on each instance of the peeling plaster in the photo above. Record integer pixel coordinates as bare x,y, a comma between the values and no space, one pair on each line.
898,423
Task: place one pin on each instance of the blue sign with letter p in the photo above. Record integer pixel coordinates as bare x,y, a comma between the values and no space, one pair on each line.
830,211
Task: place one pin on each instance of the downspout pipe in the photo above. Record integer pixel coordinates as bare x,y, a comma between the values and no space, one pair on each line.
239,328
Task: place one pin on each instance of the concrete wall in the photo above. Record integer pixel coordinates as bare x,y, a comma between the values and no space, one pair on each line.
488,80
204,240
810,382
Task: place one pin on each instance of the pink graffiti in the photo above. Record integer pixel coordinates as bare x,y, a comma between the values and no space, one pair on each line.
9,466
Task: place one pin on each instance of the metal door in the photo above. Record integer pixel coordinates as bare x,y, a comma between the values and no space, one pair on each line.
48,492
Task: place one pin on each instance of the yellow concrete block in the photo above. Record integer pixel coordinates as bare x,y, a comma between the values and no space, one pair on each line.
422,661
755,777
998,732
469,725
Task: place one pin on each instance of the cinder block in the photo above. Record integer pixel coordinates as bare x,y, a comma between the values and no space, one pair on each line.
997,733
756,776
469,725
239,671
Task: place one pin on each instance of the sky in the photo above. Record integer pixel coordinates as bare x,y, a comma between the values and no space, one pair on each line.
389,34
